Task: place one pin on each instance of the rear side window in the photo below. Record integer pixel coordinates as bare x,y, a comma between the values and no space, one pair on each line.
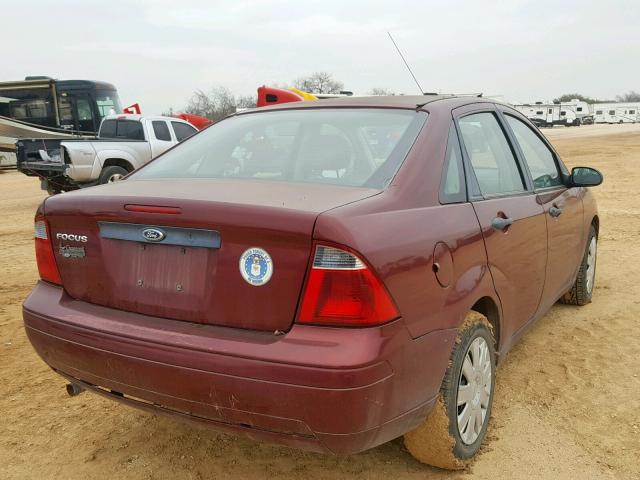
123,129
338,146
452,189
108,129
537,155
161,130
183,130
129,129
491,157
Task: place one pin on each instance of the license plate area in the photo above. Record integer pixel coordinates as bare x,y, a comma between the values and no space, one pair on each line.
170,281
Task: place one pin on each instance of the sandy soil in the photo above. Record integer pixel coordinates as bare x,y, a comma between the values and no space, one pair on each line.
599,129
567,404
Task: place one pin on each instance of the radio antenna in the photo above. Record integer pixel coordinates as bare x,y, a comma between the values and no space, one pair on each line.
405,62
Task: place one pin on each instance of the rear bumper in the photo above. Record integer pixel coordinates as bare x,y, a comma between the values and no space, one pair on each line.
42,168
323,389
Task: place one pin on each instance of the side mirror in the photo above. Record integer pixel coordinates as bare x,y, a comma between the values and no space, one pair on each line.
585,177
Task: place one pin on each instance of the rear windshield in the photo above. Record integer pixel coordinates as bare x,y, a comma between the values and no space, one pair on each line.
356,147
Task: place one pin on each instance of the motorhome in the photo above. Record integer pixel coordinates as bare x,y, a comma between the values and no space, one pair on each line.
43,107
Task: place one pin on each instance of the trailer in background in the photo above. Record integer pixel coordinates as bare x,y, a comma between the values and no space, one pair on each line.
549,114
583,110
616,112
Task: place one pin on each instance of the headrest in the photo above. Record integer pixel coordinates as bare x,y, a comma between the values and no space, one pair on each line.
327,152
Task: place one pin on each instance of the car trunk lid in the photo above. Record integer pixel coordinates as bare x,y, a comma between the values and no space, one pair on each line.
193,273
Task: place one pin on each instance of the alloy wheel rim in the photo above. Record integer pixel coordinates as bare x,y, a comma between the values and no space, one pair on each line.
114,178
474,391
591,263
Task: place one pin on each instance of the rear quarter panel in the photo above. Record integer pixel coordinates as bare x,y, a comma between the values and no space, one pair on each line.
400,244
397,232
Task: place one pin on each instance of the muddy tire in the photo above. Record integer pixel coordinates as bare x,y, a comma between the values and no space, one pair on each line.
582,290
111,174
452,434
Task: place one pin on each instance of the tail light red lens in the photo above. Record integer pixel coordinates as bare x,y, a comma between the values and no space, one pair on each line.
47,266
342,291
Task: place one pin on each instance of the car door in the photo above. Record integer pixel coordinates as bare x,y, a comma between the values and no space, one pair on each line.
512,220
562,206
162,140
183,130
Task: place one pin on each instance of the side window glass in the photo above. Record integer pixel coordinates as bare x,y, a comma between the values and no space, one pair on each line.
183,130
161,130
537,155
130,129
85,115
492,160
108,129
452,188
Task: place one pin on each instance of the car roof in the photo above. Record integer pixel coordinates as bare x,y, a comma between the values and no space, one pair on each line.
140,117
381,101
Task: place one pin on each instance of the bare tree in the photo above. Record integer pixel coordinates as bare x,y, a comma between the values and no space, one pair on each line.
318,82
246,101
381,91
217,104
631,96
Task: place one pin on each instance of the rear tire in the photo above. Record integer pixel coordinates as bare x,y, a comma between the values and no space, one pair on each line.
452,434
111,174
582,290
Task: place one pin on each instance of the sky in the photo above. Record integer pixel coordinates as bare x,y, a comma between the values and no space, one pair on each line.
159,52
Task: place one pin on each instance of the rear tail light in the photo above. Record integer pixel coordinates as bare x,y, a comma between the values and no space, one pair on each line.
342,291
47,266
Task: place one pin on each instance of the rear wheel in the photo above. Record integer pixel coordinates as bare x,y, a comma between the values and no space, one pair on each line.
111,174
454,430
582,290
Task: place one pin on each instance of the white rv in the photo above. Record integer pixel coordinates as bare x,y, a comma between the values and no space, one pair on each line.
616,112
549,114
582,109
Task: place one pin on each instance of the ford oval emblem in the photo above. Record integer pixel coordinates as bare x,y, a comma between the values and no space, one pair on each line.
153,234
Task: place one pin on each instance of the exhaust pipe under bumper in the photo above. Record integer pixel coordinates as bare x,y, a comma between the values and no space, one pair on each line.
74,389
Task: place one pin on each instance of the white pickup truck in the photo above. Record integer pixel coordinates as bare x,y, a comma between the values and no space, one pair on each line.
124,143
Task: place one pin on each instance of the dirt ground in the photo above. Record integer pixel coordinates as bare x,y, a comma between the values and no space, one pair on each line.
567,404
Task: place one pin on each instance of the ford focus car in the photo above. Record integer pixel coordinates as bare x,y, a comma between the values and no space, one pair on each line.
326,275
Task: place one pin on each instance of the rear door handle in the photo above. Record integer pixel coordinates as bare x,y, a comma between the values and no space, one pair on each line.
555,212
500,223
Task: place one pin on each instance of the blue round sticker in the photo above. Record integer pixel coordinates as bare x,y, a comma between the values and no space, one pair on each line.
256,266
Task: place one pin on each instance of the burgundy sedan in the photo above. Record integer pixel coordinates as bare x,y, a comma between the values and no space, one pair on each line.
327,275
